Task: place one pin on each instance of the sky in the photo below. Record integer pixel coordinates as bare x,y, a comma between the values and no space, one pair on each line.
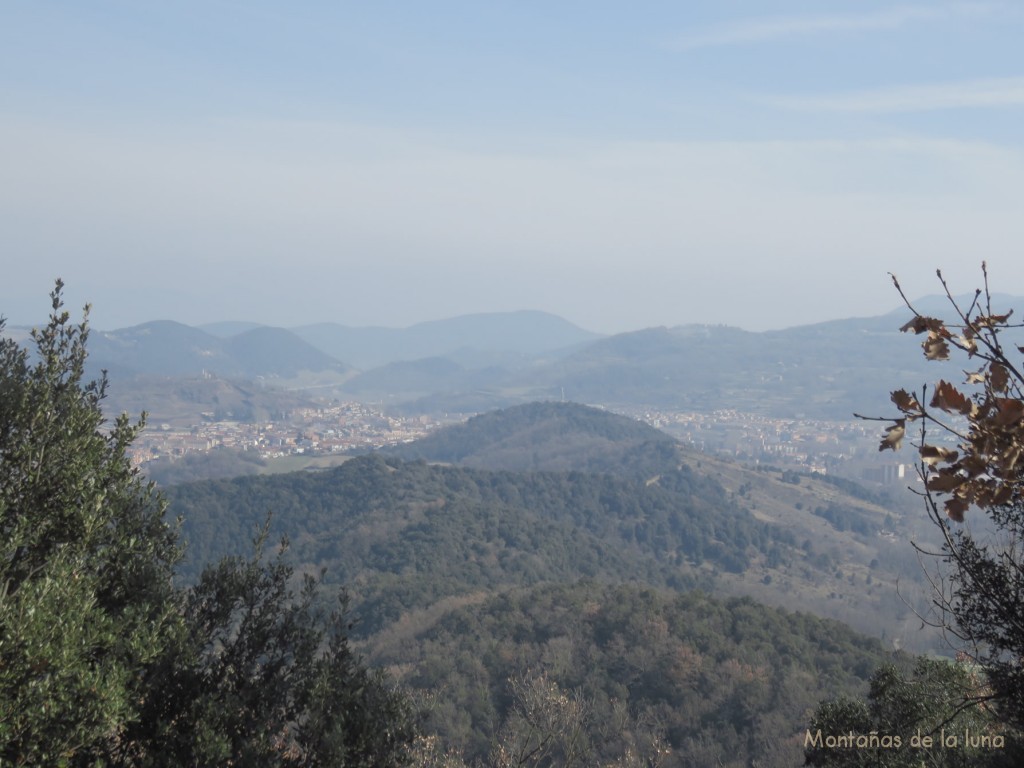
623,165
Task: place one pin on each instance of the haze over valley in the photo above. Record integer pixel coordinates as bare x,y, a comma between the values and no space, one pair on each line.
463,500
526,385
784,397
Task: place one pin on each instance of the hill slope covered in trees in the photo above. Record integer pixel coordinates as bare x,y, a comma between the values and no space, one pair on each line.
404,535
722,682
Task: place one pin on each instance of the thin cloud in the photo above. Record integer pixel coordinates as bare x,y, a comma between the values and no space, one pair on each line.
778,29
962,94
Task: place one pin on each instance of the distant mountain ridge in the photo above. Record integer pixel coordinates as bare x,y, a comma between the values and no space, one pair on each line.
168,348
828,370
476,363
243,348
524,332
228,328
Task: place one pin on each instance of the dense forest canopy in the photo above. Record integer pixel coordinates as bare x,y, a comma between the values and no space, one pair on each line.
404,535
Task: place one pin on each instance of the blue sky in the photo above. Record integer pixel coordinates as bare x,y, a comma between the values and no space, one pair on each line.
761,164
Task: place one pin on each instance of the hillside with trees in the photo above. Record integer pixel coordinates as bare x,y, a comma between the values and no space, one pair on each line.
587,482
718,682
403,535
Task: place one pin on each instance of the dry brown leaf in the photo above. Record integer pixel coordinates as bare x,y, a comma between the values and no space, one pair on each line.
1009,411
932,454
974,464
944,482
935,347
951,400
976,377
955,509
1003,494
894,435
905,401
987,321
999,377
920,324
1008,461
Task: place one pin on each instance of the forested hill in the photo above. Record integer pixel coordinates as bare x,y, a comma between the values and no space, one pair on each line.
548,436
596,582
594,495
727,681
405,535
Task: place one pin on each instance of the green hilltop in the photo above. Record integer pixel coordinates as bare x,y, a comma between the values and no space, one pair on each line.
549,436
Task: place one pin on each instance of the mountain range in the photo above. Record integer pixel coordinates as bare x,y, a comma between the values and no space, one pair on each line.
478,340
481,362
167,348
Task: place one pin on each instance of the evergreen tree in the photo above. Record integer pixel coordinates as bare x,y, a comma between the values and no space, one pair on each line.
86,557
102,660
264,677
920,716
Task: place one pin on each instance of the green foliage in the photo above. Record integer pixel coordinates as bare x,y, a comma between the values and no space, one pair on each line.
845,518
102,660
220,462
265,677
922,715
85,557
405,535
718,682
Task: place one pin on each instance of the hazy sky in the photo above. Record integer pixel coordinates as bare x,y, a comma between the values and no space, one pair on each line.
756,163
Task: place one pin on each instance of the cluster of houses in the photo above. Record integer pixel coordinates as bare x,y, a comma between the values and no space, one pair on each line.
330,429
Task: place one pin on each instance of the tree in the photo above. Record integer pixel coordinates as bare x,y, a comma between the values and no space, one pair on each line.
911,718
970,441
548,726
103,661
86,557
265,677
